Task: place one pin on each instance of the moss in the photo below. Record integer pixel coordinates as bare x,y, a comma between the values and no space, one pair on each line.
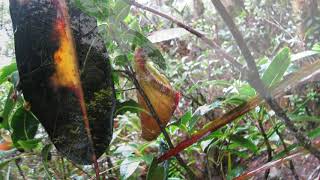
100,104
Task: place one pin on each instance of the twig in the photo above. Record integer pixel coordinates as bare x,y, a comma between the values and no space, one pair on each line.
254,80
80,168
20,170
201,36
63,168
156,117
266,140
291,165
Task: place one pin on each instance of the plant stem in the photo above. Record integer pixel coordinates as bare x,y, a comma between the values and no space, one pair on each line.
156,117
291,165
266,140
19,169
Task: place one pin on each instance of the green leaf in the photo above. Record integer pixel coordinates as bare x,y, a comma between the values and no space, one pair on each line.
129,105
277,68
129,166
284,153
122,9
155,171
121,60
316,47
24,126
237,171
186,118
314,133
153,53
8,108
303,118
45,156
29,144
200,111
6,71
97,8
244,142
3,164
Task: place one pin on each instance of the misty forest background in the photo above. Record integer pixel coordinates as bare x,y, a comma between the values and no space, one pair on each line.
204,61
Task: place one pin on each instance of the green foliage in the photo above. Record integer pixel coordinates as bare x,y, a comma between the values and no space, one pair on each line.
8,108
6,71
156,172
210,87
45,154
277,68
24,127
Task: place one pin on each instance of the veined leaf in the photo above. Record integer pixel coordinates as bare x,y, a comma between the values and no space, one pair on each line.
244,142
122,9
277,68
8,107
24,125
153,53
129,166
6,71
156,172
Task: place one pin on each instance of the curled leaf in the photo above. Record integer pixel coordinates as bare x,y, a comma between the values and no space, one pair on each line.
161,94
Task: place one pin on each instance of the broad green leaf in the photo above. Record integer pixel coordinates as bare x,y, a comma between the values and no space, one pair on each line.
200,111
122,9
314,133
167,34
29,144
277,68
6,71
316,47
244,142
121,60
129,166
8,108
186,117
24,126
44,157
130,105
247,91
155,171
147,158
97,8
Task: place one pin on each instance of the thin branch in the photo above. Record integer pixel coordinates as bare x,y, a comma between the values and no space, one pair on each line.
254,80
266,140
201,36
156,117
291,165
19,169
80,169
